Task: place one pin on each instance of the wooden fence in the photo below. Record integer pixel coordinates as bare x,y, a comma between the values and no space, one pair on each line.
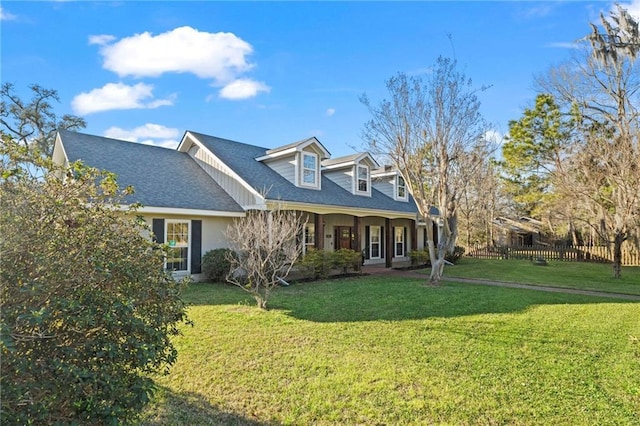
603,254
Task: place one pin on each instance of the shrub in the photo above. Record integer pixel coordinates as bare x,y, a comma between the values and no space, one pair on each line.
316,263
216,264
456,255
345,259
419,257
87,310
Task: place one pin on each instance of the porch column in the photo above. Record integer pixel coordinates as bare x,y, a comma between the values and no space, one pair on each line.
319,225
357,246
388,257
414,235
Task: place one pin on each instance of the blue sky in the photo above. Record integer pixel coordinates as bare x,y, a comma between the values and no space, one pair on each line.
271,73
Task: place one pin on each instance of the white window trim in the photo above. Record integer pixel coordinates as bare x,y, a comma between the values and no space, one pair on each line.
357,180
397,189
309,230
379,243
315,184
188,245
398,231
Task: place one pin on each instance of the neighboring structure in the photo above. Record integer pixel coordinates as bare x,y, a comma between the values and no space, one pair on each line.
521,232
191,194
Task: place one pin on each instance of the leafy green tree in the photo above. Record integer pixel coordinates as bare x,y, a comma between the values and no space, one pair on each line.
534,152
34,123
86,309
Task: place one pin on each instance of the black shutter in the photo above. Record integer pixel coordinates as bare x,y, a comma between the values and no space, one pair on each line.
383,238
367,236
404,249
424,237
196,246
157,228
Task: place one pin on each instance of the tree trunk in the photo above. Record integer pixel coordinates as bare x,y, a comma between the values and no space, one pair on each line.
617,254
434,277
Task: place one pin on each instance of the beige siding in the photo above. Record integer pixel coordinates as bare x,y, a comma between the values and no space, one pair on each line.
213,229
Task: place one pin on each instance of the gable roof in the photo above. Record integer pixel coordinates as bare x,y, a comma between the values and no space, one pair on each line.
241,158
161,177
349,160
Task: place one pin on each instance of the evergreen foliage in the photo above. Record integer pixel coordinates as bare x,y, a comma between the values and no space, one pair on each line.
87,309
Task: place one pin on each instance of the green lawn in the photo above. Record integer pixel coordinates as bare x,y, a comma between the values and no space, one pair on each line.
585,276
374,350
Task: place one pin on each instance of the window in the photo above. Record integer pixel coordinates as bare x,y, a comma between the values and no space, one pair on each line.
363,179
399,241
309,169
177,236
401,188
374,242
309,236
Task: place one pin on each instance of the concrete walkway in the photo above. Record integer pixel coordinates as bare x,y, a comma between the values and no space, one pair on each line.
379,270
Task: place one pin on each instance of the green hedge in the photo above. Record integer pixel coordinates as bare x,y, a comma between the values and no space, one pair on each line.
317,264
216,265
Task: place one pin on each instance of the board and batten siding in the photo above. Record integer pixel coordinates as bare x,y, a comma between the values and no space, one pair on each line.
216,169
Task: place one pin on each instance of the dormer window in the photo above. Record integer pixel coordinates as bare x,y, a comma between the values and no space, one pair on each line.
309,169
401,188
363,179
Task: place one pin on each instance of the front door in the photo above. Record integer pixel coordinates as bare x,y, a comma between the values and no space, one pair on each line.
344,237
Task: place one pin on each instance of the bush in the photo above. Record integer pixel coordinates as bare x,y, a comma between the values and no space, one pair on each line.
316,264
87,310
456,255
346,259
216,264
419,257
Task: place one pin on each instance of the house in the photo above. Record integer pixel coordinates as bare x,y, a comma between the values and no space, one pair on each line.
191,194
520,232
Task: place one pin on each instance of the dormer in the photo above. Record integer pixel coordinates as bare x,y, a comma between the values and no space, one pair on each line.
352,172
390,182
298,162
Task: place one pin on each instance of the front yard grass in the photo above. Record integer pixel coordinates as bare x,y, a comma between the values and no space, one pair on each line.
380,350
578,275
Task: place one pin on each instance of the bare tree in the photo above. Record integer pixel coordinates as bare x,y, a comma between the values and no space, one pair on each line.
427,129
34,123
480,200
602,90
266,248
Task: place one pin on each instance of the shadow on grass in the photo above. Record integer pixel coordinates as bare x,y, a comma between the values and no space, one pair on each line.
397,299
188,408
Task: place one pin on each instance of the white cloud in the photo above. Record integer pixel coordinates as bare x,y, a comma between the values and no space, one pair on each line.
149,134
219,56
243,89
494,137
101,39
564,45
117,96
330,112
6,16
633,8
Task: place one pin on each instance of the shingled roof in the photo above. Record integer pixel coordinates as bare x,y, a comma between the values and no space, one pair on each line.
161,177
241,158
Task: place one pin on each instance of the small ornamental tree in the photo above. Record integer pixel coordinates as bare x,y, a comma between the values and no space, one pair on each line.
87,309
266,247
